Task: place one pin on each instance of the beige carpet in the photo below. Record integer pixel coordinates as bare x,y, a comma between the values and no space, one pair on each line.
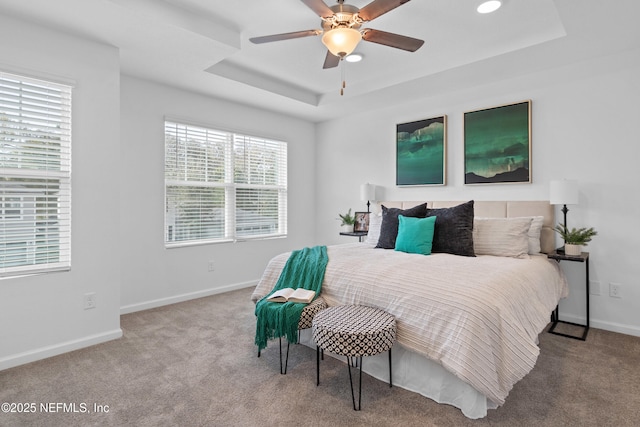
194,364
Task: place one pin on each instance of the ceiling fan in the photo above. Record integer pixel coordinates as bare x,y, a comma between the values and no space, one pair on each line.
341,31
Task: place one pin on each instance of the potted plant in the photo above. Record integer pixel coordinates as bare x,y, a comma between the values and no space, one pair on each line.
348,221
575,238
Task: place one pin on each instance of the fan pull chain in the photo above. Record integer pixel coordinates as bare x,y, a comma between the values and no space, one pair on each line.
342,75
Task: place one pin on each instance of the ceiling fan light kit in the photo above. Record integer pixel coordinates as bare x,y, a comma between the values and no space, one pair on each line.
341,31
341,41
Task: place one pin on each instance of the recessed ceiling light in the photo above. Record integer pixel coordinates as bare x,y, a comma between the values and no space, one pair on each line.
354,57
489,6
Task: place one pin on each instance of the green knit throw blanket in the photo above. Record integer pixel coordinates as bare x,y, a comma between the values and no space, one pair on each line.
304,269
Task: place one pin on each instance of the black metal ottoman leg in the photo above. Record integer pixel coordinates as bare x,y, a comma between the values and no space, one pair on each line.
360,386
280,346
286,361
317,365
390,382
353,397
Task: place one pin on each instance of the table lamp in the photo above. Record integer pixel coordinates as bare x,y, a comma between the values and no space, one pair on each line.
368,193
563,192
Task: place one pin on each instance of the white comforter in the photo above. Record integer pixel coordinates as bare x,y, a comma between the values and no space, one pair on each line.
478,317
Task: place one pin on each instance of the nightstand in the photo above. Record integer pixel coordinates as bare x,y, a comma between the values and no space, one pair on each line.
583,257
358,234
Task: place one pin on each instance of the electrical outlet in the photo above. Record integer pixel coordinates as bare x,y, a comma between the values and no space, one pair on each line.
594,288
615,290
212,266
89,300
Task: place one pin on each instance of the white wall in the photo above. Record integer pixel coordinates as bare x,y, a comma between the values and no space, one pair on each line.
43,315
153,275
584,127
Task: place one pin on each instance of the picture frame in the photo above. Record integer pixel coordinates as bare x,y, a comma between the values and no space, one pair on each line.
421,152
497,144
362,222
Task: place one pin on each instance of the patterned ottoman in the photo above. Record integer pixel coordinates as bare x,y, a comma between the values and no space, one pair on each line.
354,331
306,321
310,311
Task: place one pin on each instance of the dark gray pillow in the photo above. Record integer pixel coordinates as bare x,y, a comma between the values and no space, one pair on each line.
454,229
389,226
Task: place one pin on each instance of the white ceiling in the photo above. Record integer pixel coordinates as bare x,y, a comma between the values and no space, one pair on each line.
203,45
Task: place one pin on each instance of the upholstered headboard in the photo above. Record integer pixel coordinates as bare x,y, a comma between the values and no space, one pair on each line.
500,209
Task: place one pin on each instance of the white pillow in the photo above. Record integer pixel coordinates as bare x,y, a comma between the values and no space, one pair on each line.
534,234
375,222
508,237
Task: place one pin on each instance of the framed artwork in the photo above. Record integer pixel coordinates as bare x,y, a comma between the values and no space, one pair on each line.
421,152
362,221
497,144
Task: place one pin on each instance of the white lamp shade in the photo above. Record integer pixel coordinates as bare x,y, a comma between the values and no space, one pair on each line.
367,192
563,192
341,41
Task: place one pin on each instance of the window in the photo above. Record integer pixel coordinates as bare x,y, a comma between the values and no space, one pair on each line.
222,186
35,176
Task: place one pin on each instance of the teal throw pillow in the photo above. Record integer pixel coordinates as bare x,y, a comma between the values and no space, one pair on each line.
415,235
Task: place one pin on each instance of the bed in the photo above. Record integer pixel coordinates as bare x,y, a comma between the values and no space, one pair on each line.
467,325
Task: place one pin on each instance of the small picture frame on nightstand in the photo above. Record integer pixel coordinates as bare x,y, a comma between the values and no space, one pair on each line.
362,222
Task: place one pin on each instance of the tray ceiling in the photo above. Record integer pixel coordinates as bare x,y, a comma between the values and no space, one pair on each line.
203,46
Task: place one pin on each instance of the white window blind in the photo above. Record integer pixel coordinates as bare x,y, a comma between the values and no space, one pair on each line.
35,176
222,186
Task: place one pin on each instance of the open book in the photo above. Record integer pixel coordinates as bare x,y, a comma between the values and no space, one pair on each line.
292,295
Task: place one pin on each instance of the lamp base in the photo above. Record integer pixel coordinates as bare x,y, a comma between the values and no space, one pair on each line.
560,250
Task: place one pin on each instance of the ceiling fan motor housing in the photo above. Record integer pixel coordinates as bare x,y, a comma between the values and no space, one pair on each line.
344,15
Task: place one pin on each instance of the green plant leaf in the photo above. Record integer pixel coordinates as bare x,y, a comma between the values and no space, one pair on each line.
347,219
576,236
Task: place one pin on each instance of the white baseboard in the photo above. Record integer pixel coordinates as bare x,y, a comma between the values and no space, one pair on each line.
57,349
607,326
132,308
